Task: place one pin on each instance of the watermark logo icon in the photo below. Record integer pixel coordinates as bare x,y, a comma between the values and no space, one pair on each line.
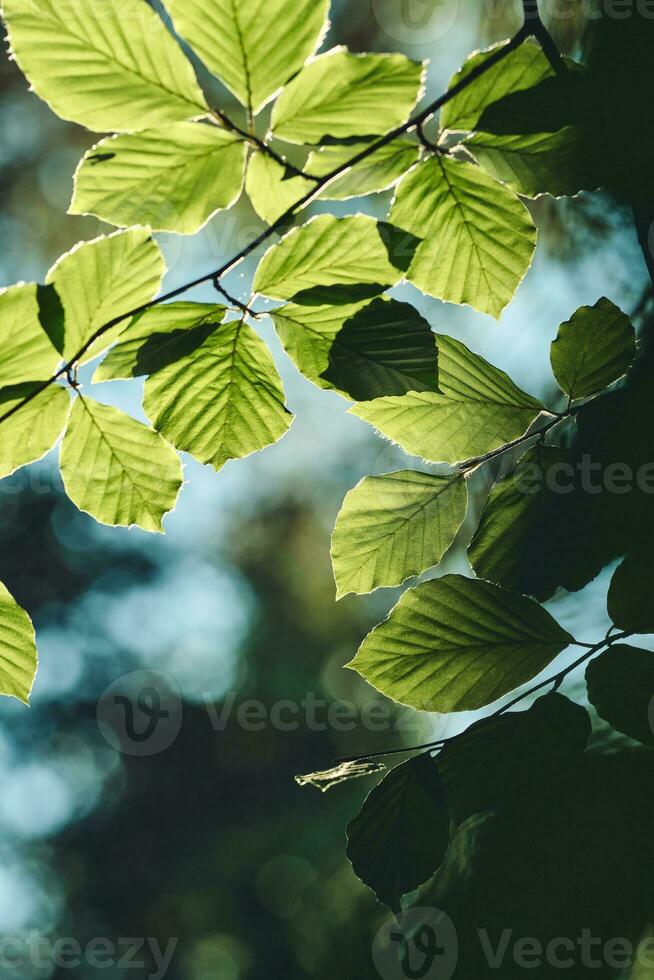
140,713
420,944
416,21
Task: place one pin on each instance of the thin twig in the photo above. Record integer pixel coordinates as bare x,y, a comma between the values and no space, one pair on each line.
495,58
537,29
243,307
469,465
249,137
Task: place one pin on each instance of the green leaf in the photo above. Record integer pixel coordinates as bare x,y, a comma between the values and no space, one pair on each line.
630,593
253,48
27,351
222,402
362,350
458,644
594,348
478,237
34,429
116,469
478,409
516,517
103,279
523,68
394,526
172,179
107,66
18,657
327,252
536,163
399,838
158,337
341,95
621,687
272,188
377,172
516,760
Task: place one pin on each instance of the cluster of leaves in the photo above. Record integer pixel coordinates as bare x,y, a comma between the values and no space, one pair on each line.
457,228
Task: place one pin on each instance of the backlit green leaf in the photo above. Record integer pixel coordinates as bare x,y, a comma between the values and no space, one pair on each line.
536,163
477,409
621,686
523,68
478,237
18,658
394,526
362,350
26,351
33,430
100,280
327,252
172,179
593,348
157,338
400,836
253,48
224,401
116,469
108,66
458,644
272,188
342,95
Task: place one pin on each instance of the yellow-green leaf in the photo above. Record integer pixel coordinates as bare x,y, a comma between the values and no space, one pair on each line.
108,65
342,95
478,237
222,402
253,47
18,658
172,179
33,430
118,470
26,351
394,526
103,279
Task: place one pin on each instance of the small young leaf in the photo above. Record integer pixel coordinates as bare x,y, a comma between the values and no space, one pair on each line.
158,337
593,348
253,48
172,179
621,686
394,526
18,658
364,350
272,188
34,429
630,593
100,280
118,470
343,96
399,838
223,401
327,252
521,69
458,644
478,237
478,409
107,66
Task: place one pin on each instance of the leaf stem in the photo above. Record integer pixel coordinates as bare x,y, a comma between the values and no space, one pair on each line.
250,137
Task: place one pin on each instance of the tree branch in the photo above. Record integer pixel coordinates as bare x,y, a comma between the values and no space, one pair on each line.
227,123
321,184
536,28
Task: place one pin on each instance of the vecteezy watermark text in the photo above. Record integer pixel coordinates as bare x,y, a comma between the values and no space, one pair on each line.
98,953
